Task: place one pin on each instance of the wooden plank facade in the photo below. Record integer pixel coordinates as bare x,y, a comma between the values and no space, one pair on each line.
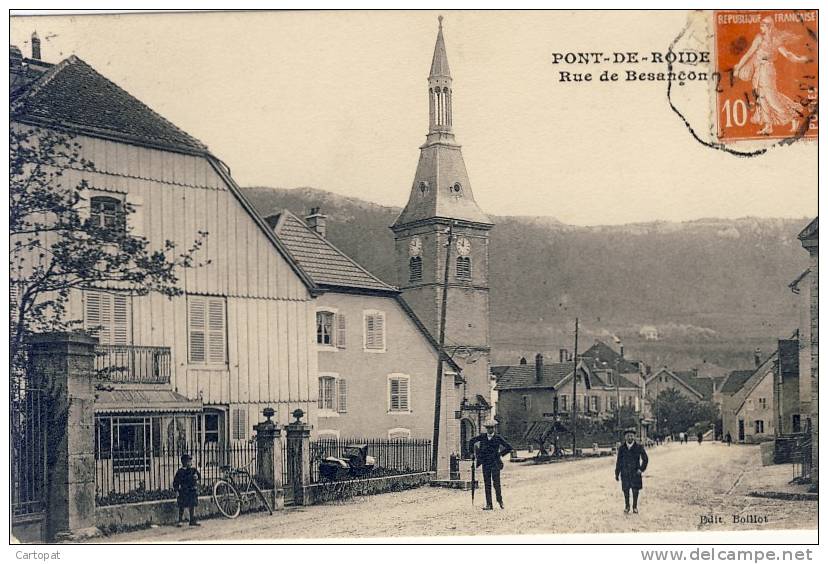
270,322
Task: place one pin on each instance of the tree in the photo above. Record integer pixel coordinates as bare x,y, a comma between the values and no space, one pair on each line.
679,414
57,245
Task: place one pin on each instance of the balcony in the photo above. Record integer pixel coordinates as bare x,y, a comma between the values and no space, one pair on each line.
128,364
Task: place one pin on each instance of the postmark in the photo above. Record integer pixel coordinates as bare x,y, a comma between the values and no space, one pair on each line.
766,83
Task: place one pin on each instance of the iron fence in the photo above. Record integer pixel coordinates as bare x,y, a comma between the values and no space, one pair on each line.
28,449
133,475
129,364
392,456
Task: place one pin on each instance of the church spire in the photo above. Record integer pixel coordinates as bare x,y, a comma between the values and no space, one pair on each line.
441,189
439,87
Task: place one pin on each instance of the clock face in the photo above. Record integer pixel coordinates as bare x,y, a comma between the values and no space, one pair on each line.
463,246
415,247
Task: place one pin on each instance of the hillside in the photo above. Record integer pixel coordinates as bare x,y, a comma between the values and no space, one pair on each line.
714,288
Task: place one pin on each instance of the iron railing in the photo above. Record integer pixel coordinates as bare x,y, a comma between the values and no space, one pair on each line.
144,474
28,445
129,364
392,456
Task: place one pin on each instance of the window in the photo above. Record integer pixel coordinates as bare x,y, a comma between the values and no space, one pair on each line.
763,403
564,406
527,403
555,404
586,404
333,394
760,426
108,315
209,427
415,269
399,434
374,331
398,393
797,423
596,404
327,400
464,268
106,212
324,327
207,330
612,405
238,421
330,329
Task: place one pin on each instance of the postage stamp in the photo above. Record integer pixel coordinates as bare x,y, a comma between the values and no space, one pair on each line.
767,74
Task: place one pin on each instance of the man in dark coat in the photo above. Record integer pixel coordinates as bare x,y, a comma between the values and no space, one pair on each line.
492,447
631,463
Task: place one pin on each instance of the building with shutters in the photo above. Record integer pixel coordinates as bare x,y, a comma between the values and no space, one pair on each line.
376,361
201,367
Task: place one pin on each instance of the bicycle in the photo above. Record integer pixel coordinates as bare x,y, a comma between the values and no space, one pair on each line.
234,488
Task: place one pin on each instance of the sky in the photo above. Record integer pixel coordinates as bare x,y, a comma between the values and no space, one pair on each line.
338,101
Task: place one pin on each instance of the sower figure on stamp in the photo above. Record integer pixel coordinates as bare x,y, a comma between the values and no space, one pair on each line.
631,463
492,447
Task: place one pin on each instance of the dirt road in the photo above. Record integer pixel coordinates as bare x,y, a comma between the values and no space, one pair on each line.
683,483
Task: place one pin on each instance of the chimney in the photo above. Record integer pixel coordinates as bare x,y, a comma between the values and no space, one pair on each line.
523,360
538,367
564,355
15,61
35,46
757,357
318,222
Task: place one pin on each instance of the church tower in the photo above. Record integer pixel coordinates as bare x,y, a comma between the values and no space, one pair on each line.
441,197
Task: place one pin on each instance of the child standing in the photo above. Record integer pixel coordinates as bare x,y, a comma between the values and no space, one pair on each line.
186,484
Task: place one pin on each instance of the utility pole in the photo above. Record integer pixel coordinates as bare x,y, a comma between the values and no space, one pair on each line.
438,387
575,389
617,397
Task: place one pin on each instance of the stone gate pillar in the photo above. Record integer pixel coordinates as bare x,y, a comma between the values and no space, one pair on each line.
269,458
298,457
62,365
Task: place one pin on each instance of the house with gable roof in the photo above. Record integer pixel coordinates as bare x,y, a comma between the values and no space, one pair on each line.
198,368
535,392
377,362
748,402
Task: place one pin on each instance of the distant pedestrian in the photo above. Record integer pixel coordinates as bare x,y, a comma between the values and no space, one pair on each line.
681,438
728,438
185,483
492,447
700,436
630,465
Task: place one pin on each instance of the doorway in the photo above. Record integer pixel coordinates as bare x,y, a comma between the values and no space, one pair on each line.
466,434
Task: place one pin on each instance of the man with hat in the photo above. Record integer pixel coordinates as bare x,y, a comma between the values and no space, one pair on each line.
631,463
492,447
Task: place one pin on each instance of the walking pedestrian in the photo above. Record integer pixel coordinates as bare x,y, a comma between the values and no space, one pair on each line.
185,483
681,438
629,466
728,438
700,436
492,447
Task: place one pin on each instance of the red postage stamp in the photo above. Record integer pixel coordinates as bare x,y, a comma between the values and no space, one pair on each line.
767,78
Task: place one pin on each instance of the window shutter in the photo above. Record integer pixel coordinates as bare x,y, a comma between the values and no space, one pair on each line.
340,331
197,329
239,430
98,315
369,332
395,394
403,394
216,331
379,328
135,220
342,396
120,320
13,294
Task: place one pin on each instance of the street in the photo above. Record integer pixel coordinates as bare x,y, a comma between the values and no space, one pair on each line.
682,484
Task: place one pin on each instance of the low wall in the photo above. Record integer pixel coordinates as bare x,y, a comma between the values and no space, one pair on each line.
337,491
124,517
